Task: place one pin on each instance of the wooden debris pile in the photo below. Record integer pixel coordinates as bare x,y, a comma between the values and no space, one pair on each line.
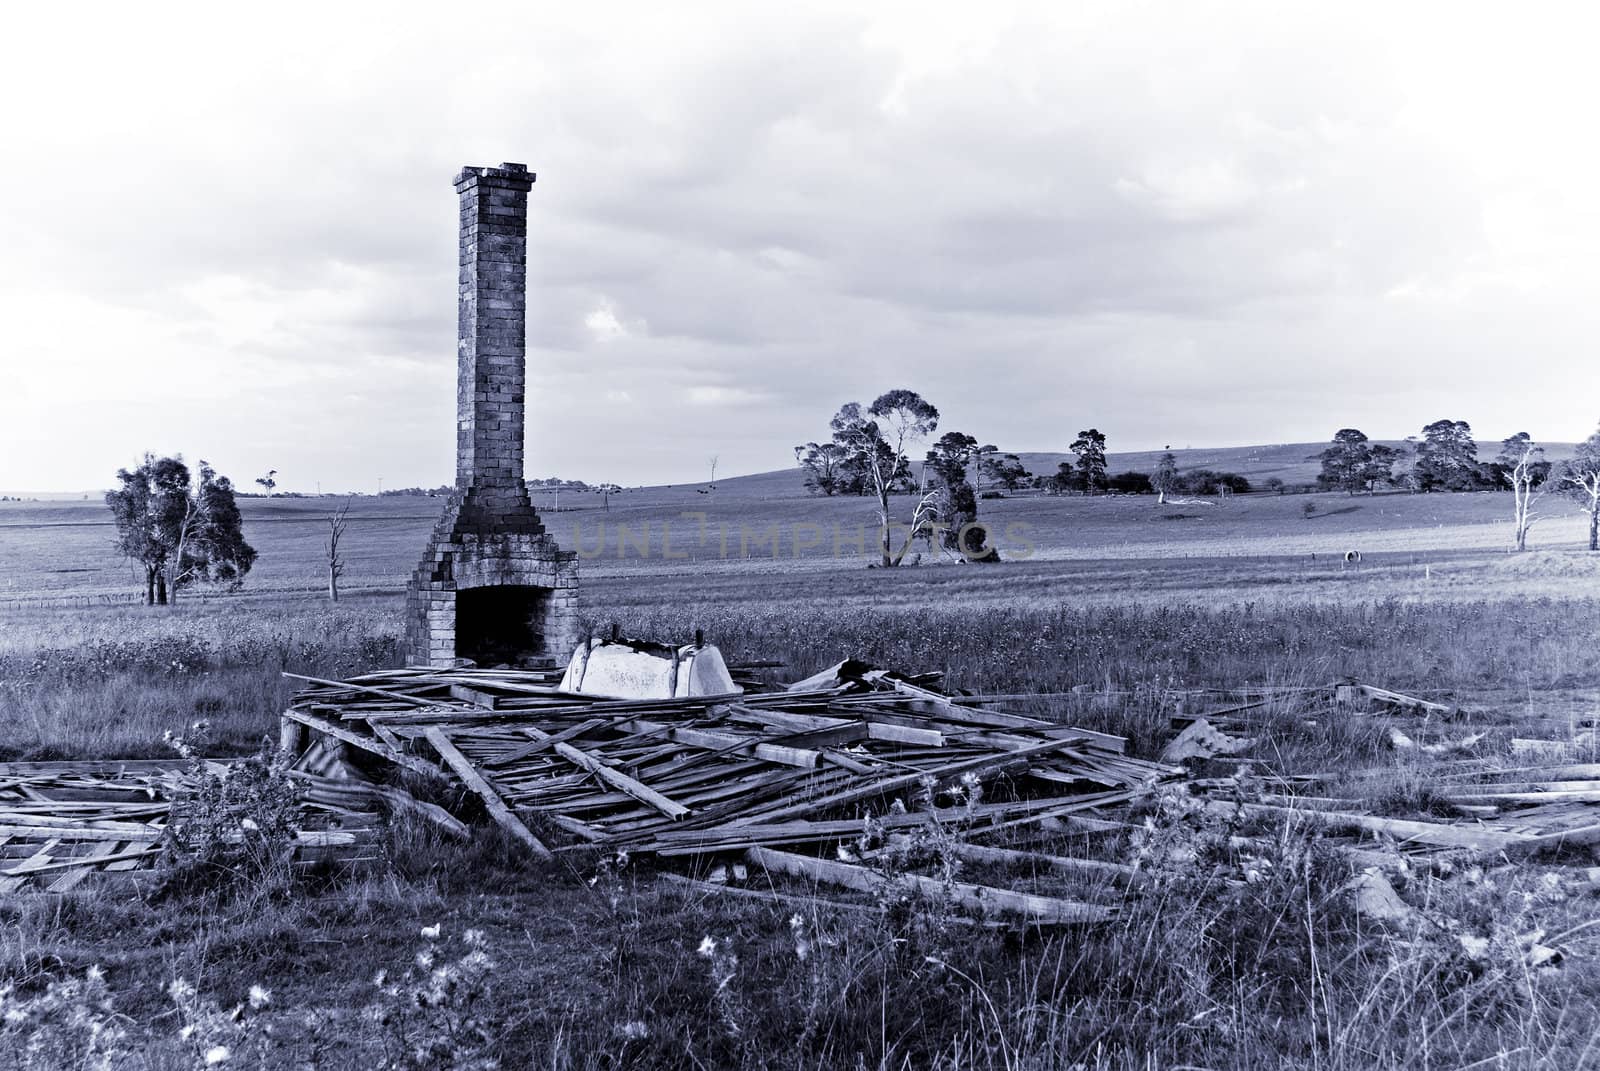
1512,812
64,822
780,778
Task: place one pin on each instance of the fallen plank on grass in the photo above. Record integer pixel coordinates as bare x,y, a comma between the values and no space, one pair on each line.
491,799
769,895
981,898
1404,830
1400,699
980,853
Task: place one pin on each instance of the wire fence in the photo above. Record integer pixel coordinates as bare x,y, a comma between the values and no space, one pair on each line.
92,599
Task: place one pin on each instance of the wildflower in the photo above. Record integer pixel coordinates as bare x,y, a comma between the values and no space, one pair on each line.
473,939
797,929
217,1054
180,989
708,946
95,973
633,1030
381,977
431,932
425,959
259,997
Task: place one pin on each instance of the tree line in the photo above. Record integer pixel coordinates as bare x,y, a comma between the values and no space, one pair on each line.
869,453
1446,458
856,461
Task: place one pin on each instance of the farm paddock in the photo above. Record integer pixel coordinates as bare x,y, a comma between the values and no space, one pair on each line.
597,965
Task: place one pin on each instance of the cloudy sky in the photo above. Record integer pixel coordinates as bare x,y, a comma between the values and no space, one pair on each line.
234,235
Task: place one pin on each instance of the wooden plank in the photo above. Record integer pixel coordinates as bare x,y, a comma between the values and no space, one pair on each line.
404,802
352,687
476,696
86,863
1399,699
1535,797
971,714
981,764
844,761
39,860
769,895
96,767
491,799
980,898
984,818
1014,741
979,853
720,741
377,747
572,825
880,729
1548,843
127,832
619,780
1403,830
545,742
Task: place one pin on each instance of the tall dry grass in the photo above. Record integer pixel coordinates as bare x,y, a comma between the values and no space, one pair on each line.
109,682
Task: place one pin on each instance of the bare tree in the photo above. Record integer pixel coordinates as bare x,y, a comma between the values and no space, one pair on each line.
1581,478
713,483
1525,466
336,524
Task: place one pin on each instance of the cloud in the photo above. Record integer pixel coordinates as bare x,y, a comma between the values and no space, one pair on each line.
604,325
717,396
1168,222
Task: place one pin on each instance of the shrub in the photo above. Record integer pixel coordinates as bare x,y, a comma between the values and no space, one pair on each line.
236,827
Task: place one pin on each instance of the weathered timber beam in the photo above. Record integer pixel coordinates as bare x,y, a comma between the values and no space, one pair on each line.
980,898
491,799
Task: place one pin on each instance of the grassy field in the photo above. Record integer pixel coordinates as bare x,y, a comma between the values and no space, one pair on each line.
596,966
760,526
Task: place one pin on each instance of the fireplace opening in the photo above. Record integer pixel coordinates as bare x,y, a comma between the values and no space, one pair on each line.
502,625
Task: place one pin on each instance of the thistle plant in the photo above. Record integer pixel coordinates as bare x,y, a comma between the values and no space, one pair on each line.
71,1024
213,1036
722,965
235,825
432,1011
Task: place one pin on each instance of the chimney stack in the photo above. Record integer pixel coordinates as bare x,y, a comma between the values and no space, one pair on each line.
493,586
492,332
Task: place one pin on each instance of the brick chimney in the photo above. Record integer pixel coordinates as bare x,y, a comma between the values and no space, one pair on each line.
493,586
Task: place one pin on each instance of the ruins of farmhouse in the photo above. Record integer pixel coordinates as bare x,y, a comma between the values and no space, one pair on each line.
493,585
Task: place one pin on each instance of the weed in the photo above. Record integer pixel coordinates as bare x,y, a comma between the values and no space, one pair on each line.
234,830
428,1014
